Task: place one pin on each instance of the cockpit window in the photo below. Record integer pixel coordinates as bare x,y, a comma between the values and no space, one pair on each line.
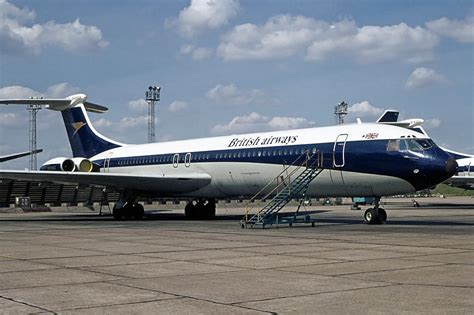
409,144
425,143
413,145
393,145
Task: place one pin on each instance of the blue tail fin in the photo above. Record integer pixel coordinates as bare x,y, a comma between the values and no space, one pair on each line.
85,141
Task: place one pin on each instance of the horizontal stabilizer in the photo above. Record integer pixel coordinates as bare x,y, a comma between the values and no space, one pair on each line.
58,104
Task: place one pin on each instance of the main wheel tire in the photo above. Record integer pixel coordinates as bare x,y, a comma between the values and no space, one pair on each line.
210,211
371,216
138,212
190,211
382,215
117,213
128,212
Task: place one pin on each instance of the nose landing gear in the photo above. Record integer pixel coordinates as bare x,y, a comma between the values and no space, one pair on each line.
375,215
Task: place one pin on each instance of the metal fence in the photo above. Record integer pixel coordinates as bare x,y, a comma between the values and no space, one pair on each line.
52,194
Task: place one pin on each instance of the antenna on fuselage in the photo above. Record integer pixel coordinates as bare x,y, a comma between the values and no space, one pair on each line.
340,110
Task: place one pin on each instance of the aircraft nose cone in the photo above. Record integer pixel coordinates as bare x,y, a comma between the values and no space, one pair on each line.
451,166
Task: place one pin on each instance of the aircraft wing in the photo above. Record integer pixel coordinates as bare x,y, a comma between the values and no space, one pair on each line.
165,185
461,181
9,157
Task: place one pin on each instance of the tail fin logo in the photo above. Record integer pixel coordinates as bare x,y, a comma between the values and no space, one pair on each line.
77,126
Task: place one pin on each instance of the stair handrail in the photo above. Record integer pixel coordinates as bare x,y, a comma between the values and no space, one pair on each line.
304,163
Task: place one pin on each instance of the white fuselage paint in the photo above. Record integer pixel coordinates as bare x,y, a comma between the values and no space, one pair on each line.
239,179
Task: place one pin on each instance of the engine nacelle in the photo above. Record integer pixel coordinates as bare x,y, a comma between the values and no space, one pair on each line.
68,165
83,165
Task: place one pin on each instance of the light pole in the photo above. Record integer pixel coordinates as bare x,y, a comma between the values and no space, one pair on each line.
340,111
152,95
33,111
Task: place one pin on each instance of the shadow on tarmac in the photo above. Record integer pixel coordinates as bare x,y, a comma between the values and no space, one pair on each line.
171,215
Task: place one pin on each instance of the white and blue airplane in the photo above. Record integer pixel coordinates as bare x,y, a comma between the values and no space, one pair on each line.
364,159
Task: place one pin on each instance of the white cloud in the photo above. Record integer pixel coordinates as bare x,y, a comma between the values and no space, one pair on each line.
102,123
9,119
197,53
421,77
364,109
139,105
61,90
19,38
133,122
460,30
283,123
202,15
285,35
201,53
255,122
432,123
232,95
58,90
177,106
17,91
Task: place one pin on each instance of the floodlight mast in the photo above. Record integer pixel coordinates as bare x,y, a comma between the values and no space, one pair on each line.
340,111
152,95
33,112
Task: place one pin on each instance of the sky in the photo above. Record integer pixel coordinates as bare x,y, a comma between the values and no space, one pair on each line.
233,66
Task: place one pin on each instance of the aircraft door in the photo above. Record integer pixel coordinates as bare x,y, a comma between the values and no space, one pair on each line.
187,160
107,162
338,160
175,160
339,151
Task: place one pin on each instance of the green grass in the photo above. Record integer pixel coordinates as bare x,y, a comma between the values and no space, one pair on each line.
446,190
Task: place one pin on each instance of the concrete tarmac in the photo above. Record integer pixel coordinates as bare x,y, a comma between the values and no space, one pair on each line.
421,261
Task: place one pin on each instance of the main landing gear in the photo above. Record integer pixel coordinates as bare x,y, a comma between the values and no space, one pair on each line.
375,215
200,209
127,208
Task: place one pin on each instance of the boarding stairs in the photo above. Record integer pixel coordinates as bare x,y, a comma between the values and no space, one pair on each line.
291,183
